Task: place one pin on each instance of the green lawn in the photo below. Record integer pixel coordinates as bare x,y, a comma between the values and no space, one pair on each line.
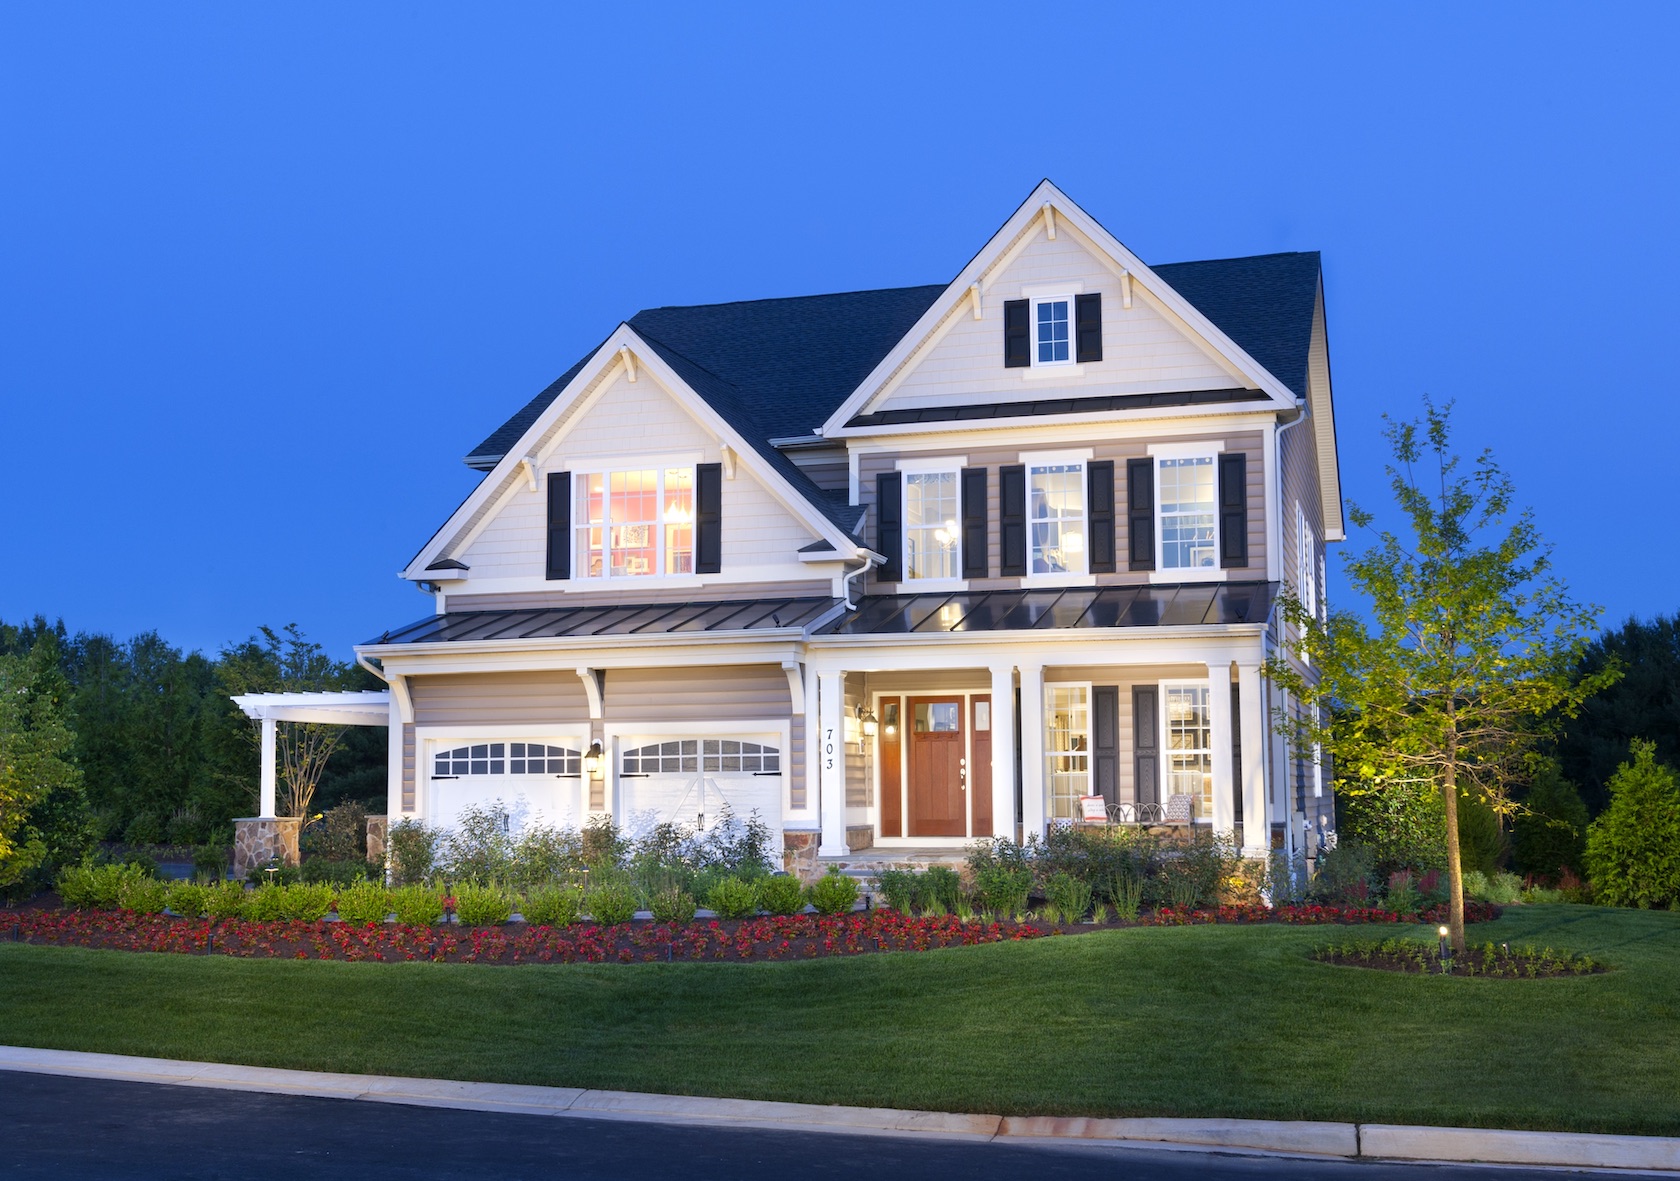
1196,1021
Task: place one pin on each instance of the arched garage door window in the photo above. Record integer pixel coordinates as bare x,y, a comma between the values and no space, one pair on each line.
506,758
715,756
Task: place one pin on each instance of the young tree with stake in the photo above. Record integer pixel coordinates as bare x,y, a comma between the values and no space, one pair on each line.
1470,652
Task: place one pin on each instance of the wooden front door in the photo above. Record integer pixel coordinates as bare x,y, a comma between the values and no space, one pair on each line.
938,768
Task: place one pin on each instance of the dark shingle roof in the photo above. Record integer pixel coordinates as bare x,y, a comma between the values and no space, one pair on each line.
777,368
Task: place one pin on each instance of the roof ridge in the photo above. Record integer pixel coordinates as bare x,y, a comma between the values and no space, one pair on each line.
731,303
1190,262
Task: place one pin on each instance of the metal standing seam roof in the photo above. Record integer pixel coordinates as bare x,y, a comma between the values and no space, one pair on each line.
1186,605
646,619
1196,604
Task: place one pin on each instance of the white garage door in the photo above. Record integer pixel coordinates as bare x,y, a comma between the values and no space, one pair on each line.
692,780
538,782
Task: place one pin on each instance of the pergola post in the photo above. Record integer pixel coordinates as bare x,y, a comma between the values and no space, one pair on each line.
268,773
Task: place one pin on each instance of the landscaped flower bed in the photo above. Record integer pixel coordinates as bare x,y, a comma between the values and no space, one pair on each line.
1504,961
768,938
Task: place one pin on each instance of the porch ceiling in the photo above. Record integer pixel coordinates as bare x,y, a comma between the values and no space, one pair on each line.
1183,605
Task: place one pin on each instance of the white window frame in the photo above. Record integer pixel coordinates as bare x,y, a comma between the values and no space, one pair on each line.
1165,746
1090,767
659,464
1080,457
944,465
1210,449
1072,330
1053,293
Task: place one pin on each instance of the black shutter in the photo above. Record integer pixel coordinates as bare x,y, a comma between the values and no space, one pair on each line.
976,540
1233,510
559,525
1105,742
1146,754
1012,520
708,518
1017,333
1088,326
1099,502
1236,754
889,524
1140,513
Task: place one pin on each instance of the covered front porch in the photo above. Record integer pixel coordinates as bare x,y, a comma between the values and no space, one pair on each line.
933,741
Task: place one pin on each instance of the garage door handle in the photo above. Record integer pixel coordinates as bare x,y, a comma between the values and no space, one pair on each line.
437,777
633,774
777,774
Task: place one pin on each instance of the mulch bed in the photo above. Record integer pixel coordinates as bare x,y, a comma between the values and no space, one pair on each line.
800,937
1500,961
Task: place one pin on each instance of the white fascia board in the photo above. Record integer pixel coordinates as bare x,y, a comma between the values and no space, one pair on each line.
995,256
599,652
1033,432
1322,403
590,384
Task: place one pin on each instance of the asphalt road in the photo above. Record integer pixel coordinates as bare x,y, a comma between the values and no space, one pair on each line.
69,1128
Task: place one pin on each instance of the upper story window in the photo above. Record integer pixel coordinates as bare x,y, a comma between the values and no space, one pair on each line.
1307,562
1188,515
636,523
1056,518
1052,336
932,537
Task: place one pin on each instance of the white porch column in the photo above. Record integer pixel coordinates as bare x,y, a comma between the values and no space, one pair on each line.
1033,787
831,753
394,766
1219,726
1257,827
266,808
813,746
609,779
1003,749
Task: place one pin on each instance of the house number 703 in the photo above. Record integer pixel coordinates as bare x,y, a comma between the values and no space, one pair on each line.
828,748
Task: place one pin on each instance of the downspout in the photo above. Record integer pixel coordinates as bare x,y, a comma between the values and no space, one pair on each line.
1302,413
869,563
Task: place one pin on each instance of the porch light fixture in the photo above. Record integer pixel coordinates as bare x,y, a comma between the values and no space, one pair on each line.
592,761
867,721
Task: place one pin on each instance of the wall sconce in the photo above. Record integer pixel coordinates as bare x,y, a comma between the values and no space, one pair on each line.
867,721
592,761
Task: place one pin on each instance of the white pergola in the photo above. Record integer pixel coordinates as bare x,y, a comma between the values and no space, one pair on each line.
362,708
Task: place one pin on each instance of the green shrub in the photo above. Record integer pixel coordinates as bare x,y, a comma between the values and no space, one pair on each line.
1003,889
281,875
611,903
1402,824
224,900
89,885
306,903
416,905
483,906
941,884
1482,843
479,849
1552,834
187,899
1344,875
143,895
897,888
338,873
1542,894
340,835
1070,896
779,894
144,829
1403,896
731,898
552,906
543,854
1633,848
1181,885
364,902
833,893
1475,884
1127,898
672,906
265,904
601,845
411,847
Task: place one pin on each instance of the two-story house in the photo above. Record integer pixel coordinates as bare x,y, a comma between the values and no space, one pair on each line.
905,567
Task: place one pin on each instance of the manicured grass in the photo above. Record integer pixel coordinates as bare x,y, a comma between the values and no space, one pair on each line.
1192,1021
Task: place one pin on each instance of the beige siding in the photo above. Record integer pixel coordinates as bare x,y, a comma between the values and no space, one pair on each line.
1144,348
1251,443
533,600
635,419
719,694
492,699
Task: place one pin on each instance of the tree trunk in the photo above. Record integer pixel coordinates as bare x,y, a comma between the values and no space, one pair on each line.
1455,870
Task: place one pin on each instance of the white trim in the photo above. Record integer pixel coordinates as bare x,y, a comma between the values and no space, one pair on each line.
625,461
1052,369
921,465
1038,291
1051,458
1062,295
1189,449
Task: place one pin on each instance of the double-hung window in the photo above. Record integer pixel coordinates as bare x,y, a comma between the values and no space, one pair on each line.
932,537
1053,330
1189,513
637,523
1056,517
1189,743
1067,747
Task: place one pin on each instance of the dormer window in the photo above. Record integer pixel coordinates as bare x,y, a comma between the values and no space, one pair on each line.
1051,331
636,524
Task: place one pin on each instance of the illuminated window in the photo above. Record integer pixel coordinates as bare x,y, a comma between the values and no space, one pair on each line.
1067,748
1056,495
932,539
636,523
1190,746
1189,536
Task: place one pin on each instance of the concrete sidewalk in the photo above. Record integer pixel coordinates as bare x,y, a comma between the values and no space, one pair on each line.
1298,1138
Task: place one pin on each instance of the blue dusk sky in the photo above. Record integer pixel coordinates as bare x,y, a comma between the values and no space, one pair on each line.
270,270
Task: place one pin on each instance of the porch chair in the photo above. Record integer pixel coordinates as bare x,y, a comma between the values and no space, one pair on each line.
1179,809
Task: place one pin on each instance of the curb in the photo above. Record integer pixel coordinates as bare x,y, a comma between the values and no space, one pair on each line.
1283,1137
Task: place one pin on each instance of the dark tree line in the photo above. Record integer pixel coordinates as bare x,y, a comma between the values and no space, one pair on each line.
165,756
1645,704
